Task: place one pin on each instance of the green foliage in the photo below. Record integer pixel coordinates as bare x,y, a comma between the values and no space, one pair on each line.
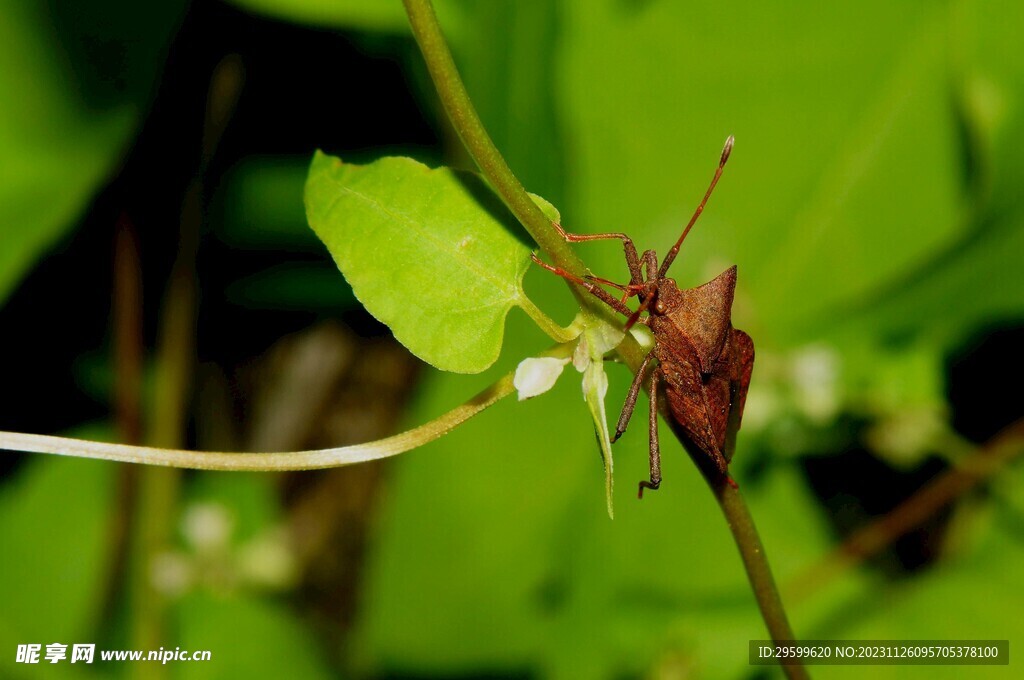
594,344
431,253
259,209
293,286
371,15
970,596
595,388
249,637
54,552
62,130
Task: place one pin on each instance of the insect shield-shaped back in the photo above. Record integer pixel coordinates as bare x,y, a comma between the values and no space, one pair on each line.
705,362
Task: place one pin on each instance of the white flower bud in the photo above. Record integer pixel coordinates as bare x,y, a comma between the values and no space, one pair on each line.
537,375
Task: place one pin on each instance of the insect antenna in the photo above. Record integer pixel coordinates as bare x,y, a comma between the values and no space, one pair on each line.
667,262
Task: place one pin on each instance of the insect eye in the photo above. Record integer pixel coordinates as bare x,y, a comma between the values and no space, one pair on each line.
659,307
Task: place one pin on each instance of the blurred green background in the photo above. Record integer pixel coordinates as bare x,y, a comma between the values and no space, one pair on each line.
873,205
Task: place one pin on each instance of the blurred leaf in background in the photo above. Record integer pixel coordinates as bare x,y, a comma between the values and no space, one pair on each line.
75,83
54,527
369,15
256,211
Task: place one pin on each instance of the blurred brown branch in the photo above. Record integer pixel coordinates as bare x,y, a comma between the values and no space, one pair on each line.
871,539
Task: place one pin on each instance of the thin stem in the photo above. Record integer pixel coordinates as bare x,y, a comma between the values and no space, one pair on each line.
159,489
546,323
264,462
466,122
128,351
755,561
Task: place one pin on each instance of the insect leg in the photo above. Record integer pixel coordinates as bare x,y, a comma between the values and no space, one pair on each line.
605,282
590,286
629,288
628,291
650,262
631,396
655,447
632,260
644,290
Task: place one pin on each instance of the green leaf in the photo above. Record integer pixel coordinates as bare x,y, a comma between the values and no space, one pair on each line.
55,519
595,389
975,282
588,358
967,288
258,206
377,16
71,86
300,286
430,253
248,637
972,595
359,14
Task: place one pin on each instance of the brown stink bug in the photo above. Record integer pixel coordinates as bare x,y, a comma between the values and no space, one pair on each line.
704,363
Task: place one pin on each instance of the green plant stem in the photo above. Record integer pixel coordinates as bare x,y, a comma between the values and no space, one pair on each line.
470,129
755,561
275,462
546,323
264,462
466,122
